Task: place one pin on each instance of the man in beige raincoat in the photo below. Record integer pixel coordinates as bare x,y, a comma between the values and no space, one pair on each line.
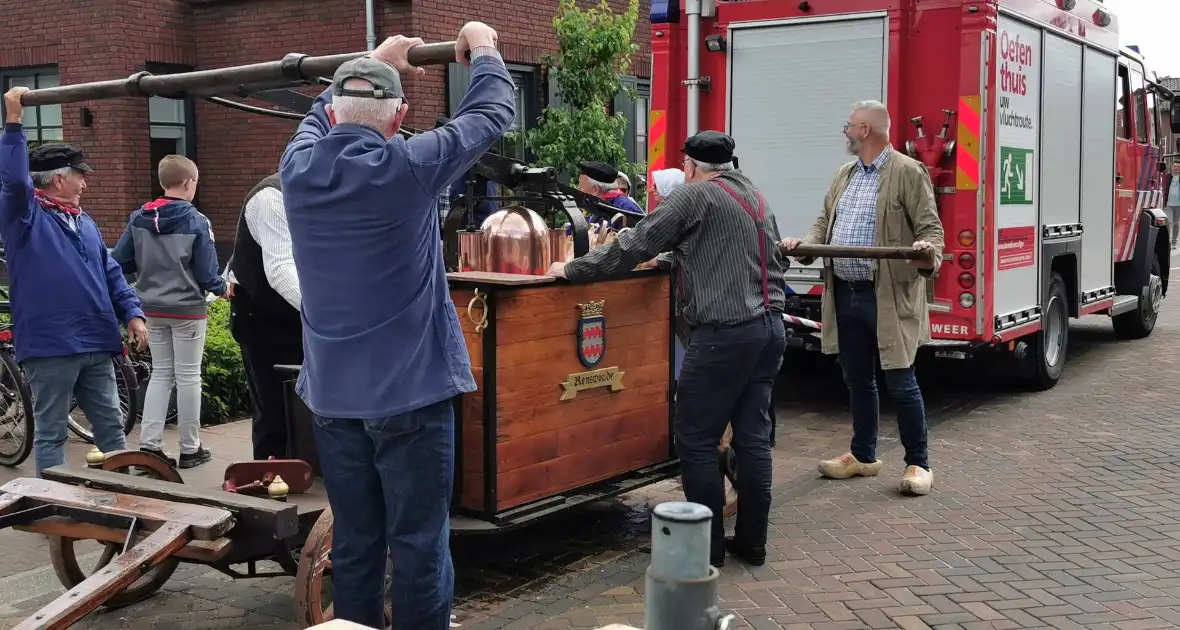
877,309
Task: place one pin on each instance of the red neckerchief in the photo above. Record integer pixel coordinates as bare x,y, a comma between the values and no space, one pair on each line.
52,204
153,207
611,195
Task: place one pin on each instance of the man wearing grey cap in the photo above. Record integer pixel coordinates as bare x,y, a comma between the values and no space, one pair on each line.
730,280
68,294
383,352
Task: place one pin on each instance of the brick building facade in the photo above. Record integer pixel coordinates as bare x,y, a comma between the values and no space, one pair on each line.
73,41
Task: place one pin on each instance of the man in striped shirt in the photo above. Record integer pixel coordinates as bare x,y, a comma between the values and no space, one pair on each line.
722,239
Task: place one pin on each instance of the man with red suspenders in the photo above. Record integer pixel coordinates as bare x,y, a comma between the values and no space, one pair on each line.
721,240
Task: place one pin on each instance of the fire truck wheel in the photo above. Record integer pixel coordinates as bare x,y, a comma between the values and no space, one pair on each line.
1051,342
1139,323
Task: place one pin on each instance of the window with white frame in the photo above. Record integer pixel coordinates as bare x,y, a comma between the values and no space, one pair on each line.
636,110
42,123
170,126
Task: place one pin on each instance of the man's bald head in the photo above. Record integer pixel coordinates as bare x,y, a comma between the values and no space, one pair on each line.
874,114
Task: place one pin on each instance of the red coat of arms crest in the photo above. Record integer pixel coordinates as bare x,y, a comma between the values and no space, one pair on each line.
592,333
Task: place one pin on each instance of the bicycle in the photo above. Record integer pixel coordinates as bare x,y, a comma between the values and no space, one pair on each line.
16,402
128,374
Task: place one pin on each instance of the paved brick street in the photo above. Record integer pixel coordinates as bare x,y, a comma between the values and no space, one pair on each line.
1050,510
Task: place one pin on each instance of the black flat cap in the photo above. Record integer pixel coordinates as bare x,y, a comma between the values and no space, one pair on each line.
54,155
599,171
387,83
713,147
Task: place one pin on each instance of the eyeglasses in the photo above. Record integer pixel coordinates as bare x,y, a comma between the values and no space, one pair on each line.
848,126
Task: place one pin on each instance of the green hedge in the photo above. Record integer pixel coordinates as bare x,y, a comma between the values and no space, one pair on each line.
223,376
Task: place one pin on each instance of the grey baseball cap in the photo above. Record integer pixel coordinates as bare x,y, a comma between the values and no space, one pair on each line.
386,81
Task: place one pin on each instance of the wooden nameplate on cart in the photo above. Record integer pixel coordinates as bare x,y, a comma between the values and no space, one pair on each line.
502,279
204,522
256,516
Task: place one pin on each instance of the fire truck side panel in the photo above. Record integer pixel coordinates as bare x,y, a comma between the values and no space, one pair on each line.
1098,193
945,69
786,117
1016,240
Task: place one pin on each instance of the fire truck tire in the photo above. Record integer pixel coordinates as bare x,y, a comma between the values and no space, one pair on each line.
1052,341
1139,323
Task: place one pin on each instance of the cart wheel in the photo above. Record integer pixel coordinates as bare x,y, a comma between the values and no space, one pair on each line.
313,581
65,560
728,464
725,459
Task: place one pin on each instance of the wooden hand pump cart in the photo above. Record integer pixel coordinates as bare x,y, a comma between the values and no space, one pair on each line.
561,417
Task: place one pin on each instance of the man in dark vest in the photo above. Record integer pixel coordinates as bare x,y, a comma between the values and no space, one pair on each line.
264,311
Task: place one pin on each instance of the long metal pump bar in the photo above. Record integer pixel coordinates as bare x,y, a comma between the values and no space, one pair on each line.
294,68
268,81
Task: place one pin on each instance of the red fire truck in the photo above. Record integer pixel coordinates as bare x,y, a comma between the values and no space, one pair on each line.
1047,165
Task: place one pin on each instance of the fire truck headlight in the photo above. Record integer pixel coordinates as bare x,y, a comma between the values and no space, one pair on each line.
966,261
966,238
715,43
966,300
966,280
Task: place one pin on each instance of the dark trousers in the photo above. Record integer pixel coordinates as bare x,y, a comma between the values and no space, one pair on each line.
856,321
727,377
389,483
262,349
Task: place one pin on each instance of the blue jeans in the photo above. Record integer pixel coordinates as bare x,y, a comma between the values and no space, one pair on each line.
389,484
90,377
727,378
856,321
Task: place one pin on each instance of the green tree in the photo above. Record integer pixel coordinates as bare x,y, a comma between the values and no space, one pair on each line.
594,50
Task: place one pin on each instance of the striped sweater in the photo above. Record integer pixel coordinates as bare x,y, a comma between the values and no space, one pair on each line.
716,254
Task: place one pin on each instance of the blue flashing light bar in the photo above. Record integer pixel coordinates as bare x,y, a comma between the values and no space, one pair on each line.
665,11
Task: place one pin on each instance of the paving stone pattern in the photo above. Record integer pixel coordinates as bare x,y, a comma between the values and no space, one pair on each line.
1050,510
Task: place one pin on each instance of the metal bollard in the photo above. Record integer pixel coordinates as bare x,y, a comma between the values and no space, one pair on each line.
681,585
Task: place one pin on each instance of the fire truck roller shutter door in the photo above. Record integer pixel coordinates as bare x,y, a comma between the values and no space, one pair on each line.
1098,151
786,117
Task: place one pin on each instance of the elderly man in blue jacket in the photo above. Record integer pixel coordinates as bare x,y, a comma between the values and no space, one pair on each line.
68,295
383,352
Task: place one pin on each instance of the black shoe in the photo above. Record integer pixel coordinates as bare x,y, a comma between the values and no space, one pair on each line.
753,556
158,453
718,562
189,460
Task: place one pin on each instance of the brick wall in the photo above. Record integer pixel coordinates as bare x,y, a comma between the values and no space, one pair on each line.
105,39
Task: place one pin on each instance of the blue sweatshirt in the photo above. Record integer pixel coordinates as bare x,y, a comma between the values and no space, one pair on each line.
622,202
380,332
170,246
68,295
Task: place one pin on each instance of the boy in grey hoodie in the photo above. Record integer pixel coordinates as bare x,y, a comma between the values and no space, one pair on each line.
170,246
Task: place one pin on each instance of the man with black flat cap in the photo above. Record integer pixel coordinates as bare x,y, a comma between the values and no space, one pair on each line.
723,243
383,352
68,295
599,179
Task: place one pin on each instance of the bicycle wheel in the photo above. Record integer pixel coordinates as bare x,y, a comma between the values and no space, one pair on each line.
143,363
16,412
128,405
